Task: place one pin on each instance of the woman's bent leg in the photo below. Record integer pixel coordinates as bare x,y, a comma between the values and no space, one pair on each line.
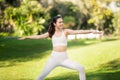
76,66
47,69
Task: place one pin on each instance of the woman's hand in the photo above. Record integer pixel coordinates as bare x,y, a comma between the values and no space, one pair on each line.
22,38
96,32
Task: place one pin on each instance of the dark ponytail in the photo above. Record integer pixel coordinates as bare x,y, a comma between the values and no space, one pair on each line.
51,29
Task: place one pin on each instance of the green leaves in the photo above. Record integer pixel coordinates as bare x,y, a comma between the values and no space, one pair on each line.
27,19
69,21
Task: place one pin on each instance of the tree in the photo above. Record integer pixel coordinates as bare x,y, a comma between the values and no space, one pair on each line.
68,10
101,17
26,19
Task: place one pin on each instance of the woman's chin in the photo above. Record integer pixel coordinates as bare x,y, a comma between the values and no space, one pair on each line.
60,27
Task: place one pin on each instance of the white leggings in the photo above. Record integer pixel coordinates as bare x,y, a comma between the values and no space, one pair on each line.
61,59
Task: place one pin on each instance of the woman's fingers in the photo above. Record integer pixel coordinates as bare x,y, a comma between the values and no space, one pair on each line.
22,38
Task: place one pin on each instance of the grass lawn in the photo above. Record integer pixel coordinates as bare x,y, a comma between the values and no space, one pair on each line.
24,60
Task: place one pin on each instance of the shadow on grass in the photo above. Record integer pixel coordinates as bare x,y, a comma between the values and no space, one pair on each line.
104,76
82,42
110,39
25,50
87,42
111,65
66,76
107,71
89,76
19,51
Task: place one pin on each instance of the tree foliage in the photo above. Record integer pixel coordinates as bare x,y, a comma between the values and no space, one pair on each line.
101,17
67,10
27,19
116,22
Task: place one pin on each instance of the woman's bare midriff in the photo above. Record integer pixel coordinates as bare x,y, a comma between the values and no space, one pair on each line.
60,48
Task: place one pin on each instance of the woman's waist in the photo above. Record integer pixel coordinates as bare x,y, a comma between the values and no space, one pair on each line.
60,48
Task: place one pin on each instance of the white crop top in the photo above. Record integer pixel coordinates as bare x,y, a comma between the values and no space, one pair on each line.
59,41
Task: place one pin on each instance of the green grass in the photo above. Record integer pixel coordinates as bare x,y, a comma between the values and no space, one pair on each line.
24,60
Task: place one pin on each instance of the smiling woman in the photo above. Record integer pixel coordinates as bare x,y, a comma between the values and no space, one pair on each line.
59,55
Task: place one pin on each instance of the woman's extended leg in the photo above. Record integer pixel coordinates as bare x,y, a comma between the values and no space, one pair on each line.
47,69
76,66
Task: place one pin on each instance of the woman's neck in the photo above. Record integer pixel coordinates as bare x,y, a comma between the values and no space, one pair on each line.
58,30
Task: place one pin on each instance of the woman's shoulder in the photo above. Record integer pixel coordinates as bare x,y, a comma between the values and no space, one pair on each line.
66,31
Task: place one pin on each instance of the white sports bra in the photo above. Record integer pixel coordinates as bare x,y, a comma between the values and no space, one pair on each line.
59,41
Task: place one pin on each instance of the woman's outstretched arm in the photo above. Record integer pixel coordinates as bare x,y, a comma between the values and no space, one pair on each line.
45,35
69,31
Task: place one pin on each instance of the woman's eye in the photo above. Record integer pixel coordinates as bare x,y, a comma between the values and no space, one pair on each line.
61,22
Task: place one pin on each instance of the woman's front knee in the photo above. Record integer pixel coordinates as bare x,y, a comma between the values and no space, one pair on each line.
81,68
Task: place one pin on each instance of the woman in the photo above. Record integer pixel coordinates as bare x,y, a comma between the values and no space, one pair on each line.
59,55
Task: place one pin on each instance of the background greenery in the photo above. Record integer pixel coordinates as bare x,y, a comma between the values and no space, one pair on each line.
31,17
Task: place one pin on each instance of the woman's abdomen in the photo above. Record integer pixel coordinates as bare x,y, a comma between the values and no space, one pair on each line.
60,48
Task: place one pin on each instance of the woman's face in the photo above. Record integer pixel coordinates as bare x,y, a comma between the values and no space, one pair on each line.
59,23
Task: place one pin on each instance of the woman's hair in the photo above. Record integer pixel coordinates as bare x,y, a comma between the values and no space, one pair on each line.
51,29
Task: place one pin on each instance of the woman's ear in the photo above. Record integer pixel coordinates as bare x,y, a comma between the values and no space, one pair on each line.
54,24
